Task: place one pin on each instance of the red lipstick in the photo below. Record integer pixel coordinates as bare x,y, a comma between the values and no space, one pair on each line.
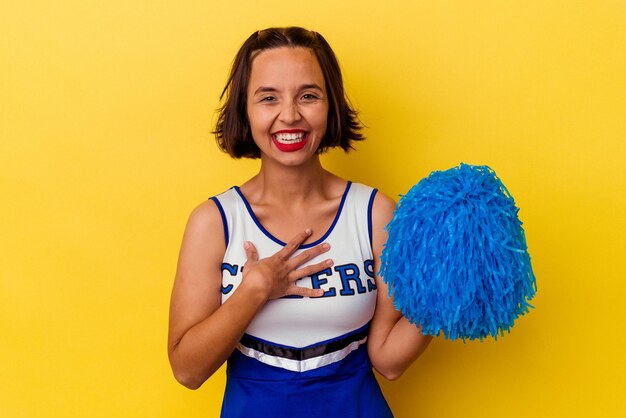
290,140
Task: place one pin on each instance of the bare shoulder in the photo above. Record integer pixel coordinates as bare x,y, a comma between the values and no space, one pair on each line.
382,209
205,222
205,215
203,240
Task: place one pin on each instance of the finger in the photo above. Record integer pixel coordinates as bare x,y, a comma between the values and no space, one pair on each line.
304,291
308,255
293,245
308,270
251,252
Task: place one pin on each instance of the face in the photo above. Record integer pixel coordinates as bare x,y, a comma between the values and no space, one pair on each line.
287,104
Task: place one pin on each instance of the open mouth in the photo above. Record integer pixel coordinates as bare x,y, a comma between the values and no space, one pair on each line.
289,141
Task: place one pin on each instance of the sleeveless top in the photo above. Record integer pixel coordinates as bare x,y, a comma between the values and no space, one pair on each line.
305,357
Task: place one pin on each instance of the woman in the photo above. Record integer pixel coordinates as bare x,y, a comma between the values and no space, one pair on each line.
277,276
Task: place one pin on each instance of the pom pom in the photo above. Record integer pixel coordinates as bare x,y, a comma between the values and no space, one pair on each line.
456,259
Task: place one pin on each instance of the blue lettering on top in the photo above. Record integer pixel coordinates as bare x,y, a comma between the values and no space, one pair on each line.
317,282
232,269
347,273
369,270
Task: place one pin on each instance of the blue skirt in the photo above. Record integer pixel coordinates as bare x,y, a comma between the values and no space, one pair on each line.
346,389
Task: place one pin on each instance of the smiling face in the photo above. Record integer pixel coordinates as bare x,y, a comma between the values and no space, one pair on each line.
287,104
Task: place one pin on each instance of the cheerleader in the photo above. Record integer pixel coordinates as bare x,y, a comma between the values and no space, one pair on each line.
278,277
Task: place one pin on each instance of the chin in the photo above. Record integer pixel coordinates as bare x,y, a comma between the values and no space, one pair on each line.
294,159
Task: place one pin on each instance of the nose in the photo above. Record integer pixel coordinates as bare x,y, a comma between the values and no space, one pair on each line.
289,112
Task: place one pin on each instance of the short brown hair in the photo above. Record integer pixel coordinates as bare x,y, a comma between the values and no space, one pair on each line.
232,130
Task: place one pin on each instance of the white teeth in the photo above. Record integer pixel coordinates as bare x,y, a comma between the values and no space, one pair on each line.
288,138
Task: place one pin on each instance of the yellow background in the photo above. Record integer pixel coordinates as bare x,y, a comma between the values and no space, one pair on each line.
105,147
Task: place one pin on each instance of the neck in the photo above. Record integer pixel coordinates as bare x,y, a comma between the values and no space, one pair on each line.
291,185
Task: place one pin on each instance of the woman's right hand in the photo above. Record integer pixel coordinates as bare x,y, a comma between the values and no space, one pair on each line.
276,276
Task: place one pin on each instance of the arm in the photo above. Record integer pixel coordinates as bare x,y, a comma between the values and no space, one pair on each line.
394,343
203,332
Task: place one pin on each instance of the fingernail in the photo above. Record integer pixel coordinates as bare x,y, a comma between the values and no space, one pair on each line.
325,246
308,231
246,245
329,262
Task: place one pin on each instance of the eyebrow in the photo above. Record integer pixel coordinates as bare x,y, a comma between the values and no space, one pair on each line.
264,89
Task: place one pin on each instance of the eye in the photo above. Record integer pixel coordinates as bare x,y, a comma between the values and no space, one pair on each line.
267,99
309,97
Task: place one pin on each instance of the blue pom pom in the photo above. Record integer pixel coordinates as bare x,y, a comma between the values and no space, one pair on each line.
456,259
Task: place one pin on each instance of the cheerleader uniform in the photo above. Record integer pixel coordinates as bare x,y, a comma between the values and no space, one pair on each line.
305,357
